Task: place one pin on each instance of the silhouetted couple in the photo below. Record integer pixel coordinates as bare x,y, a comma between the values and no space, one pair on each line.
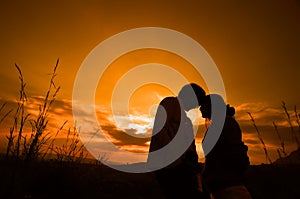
225,165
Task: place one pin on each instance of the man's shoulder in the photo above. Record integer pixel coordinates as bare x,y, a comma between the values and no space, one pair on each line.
170,103
169,99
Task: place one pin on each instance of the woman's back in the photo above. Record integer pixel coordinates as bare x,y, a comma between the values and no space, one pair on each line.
226,163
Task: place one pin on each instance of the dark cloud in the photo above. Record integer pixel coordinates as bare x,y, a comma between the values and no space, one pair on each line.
251,141
121,138
131,131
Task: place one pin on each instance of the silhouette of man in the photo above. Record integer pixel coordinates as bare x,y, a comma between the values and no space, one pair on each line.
227,162
178,179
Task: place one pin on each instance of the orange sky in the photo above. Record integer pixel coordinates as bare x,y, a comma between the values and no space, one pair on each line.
255,45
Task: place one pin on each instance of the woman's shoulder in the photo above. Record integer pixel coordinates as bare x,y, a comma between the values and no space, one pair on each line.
230,122
232,129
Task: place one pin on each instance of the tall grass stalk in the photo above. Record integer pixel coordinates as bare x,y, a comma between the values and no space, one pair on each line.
29,147
6,114
39,124
19,145
268,159
20,118
279,153
51,145
297,119
282,145
289,120
103,157
72,150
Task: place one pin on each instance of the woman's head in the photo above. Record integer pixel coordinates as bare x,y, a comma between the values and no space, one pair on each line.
191,95
206,107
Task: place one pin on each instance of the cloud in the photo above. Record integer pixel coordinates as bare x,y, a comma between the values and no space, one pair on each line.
122,137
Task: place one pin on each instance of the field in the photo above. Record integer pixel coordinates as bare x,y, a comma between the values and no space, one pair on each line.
52,179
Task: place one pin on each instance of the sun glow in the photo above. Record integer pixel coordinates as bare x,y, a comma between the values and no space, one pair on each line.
132,112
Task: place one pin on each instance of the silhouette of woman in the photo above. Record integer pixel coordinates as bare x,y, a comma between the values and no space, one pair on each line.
179,179
226,164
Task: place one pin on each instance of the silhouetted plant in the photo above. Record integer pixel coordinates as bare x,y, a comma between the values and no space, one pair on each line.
18,145
20,118
289,120
268,159
51,145
72,150
297,119
282,145
6,114
102,158
279,153
22,147
39,124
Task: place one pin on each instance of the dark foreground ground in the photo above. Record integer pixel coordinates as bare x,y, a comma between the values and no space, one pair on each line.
88,181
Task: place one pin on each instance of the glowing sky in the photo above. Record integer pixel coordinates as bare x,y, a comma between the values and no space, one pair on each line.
255,45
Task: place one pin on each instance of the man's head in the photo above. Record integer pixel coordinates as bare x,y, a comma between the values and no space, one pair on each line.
206,106
191,95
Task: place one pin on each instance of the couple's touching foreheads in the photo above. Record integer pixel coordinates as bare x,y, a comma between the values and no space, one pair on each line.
226,163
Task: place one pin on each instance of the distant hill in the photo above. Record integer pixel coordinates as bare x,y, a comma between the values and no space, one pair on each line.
292,158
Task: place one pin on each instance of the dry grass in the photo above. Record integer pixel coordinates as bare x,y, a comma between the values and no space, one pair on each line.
282,145
281,151
297,117
72,150
41,140
289,120
20,118
5,114
268,159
